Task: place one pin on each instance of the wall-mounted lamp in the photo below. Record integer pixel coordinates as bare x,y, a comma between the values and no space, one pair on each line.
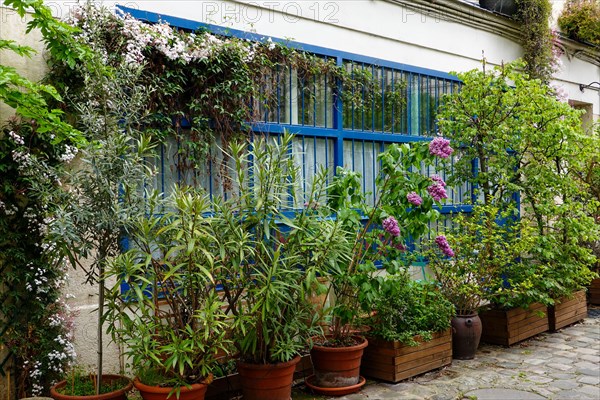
582,86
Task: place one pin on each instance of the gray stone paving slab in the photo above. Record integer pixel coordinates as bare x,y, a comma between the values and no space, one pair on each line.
590,380
590,390
506,394
553,366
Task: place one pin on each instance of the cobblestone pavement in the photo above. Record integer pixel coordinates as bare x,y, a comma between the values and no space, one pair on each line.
556,366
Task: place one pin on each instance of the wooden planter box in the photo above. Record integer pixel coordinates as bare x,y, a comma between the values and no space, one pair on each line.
508,327
393,361
228,386
594,292
567,311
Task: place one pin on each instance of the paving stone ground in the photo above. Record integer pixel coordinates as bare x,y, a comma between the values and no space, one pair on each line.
555,366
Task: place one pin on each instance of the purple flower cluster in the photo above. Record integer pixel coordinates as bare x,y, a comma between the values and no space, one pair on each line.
444,246
414,199
438,180
440,147
391,226
437,192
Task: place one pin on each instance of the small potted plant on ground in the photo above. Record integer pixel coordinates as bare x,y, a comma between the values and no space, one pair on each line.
79,384
410,330
403,210
169,316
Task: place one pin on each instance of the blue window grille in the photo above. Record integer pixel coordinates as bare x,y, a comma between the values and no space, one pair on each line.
328,132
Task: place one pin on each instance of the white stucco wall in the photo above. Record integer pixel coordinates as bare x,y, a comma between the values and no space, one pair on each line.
12,27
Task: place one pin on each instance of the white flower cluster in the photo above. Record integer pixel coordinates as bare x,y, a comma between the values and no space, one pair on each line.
35,374
16,138
167,40
8,211
69,154
22,158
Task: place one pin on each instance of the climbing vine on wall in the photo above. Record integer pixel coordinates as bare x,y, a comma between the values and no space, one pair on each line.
218,85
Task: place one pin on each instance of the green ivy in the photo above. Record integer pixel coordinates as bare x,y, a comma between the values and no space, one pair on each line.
534,16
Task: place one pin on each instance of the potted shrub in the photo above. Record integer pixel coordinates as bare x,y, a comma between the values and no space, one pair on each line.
276,250
410,330
86,229
569,272
531,157
485,269
378,233
169,317
579,20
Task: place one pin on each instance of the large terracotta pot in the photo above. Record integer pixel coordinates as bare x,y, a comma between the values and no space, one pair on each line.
120,394
337,367
466,333
195,392
267,381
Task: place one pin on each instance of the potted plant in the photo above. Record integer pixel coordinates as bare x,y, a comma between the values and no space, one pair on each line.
169,317
529,153
403,210
276,250
79,384
86,229
410,330
579,20
477,263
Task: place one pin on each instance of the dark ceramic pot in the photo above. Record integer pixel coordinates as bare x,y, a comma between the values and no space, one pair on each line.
466,333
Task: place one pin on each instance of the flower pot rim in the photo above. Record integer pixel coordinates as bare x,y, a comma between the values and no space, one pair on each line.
364,343
334,391
55,394
466,315
284,364
165,390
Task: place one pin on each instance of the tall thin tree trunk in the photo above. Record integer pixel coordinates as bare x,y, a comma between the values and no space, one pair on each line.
100,313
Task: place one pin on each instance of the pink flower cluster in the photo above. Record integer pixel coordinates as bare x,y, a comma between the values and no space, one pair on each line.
438,189
391,226
440,147
444,246
414,199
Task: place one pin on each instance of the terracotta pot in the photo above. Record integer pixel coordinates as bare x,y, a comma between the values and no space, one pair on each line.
267,381
466,333
195,392
120,394
506,7
337,367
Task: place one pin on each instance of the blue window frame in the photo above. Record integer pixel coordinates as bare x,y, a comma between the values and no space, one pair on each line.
328,132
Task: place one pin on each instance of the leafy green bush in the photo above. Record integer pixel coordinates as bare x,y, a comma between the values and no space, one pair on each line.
405,309
580,20
171,263
488,265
